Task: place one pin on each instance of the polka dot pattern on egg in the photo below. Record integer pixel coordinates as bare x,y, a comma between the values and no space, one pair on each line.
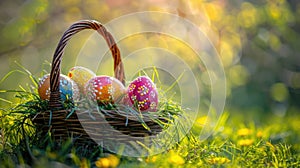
104,89
143,94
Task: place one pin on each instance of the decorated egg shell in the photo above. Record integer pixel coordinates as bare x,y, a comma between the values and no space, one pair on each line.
67,88
104,89
81,75
143,94
125,101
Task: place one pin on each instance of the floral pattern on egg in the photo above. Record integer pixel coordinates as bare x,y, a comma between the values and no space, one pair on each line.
143,94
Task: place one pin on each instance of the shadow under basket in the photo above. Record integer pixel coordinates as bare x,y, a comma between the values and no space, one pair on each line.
63,123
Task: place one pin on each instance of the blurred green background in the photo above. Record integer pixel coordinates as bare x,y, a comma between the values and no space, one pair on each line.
257,40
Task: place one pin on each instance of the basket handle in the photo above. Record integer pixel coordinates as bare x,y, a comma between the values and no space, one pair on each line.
55,101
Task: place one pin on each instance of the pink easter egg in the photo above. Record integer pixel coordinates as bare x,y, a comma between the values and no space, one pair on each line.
143,94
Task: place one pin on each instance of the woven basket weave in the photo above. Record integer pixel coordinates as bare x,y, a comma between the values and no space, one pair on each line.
58,120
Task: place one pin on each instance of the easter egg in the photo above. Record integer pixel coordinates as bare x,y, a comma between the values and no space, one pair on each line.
67,88
125,101
104,89
118,90
81,75
143,94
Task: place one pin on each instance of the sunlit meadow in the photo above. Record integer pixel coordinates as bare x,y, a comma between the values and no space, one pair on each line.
256,41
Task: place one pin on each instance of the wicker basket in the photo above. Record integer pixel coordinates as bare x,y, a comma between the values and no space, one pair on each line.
65,123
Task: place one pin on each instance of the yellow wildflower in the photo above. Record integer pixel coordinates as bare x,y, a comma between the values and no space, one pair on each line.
259,134
174,158
11,122
151,159
102,162
114,160
199,163
245,142
110,161
244,132
201,121
218,160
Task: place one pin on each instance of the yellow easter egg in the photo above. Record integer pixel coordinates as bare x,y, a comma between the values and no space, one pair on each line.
81,75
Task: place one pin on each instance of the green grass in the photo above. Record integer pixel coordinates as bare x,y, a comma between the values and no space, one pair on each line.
237,142
241,139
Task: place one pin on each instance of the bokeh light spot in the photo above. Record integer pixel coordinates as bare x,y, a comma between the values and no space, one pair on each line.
213,11
295,80
279,92
248,16
72,14
226,53
238,75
